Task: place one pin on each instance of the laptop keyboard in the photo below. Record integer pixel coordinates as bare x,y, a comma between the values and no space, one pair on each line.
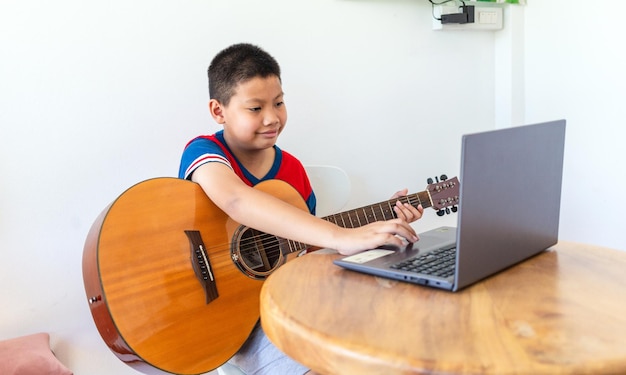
440,262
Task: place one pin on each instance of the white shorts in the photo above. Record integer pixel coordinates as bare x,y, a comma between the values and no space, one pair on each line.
258,356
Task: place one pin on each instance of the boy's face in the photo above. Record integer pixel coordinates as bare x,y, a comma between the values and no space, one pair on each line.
255,115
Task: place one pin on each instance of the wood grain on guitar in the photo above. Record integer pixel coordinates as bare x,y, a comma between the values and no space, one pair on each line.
173,283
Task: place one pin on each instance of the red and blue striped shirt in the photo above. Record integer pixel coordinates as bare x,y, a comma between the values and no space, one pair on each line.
213,149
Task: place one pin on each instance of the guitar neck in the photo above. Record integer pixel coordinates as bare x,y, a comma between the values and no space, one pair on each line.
377,212
368,214
438,195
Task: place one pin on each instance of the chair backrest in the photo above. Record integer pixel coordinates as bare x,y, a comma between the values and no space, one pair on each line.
332,188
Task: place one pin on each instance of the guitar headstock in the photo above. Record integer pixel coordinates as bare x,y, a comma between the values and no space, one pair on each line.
444,194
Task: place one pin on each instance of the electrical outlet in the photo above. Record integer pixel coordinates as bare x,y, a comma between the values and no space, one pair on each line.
485,18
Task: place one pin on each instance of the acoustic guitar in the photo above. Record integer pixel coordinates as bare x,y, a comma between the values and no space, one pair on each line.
173,283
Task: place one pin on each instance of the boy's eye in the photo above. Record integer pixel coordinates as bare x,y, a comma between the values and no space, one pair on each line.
280,104
254,109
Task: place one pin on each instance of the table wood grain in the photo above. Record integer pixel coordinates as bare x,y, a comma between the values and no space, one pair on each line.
561,312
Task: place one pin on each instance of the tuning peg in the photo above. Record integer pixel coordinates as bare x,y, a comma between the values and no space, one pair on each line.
443,177
441,213
455,208
429,180
448,210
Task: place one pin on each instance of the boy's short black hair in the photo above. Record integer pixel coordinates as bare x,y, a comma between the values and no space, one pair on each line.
237,64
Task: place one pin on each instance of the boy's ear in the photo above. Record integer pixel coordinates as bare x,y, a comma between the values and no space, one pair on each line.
217,111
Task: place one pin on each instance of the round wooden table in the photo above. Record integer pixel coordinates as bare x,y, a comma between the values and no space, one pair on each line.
561,312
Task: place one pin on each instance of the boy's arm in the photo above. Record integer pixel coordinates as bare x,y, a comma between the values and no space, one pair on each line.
266,213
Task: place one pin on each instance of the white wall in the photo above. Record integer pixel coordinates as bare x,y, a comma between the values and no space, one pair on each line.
95,97
575,70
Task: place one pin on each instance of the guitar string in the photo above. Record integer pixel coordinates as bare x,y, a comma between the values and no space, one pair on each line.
362,216
375,212
272,248
272,244
355,217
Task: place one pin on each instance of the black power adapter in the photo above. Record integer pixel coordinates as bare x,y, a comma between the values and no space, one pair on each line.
466,17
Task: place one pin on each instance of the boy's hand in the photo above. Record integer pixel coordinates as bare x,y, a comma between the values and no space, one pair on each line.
405,211
395,233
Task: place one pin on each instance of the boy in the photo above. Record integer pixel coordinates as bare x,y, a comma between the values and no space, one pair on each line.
246,98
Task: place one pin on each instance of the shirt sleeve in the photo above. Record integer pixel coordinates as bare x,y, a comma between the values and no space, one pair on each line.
198,152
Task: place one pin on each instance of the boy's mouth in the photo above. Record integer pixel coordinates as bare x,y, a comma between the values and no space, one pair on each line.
270,133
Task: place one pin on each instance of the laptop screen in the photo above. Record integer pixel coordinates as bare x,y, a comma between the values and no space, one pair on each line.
510,197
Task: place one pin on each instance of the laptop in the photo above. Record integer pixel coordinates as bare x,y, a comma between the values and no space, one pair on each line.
510,196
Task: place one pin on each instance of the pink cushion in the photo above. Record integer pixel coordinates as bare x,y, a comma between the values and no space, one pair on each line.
30,355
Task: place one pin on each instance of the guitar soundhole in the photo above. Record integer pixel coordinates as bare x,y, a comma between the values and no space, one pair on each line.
257,254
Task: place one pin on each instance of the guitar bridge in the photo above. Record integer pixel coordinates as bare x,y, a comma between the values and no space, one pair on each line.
201,265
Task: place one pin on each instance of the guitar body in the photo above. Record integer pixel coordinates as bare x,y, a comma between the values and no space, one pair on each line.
147,300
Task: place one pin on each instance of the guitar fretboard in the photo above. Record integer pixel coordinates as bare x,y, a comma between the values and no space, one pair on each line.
368,214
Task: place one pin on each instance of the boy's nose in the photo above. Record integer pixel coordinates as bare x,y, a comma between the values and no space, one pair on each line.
270,117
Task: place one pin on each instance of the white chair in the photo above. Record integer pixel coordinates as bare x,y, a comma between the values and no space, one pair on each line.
332,188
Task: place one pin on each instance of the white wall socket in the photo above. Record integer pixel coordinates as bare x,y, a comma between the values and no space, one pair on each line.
485,18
